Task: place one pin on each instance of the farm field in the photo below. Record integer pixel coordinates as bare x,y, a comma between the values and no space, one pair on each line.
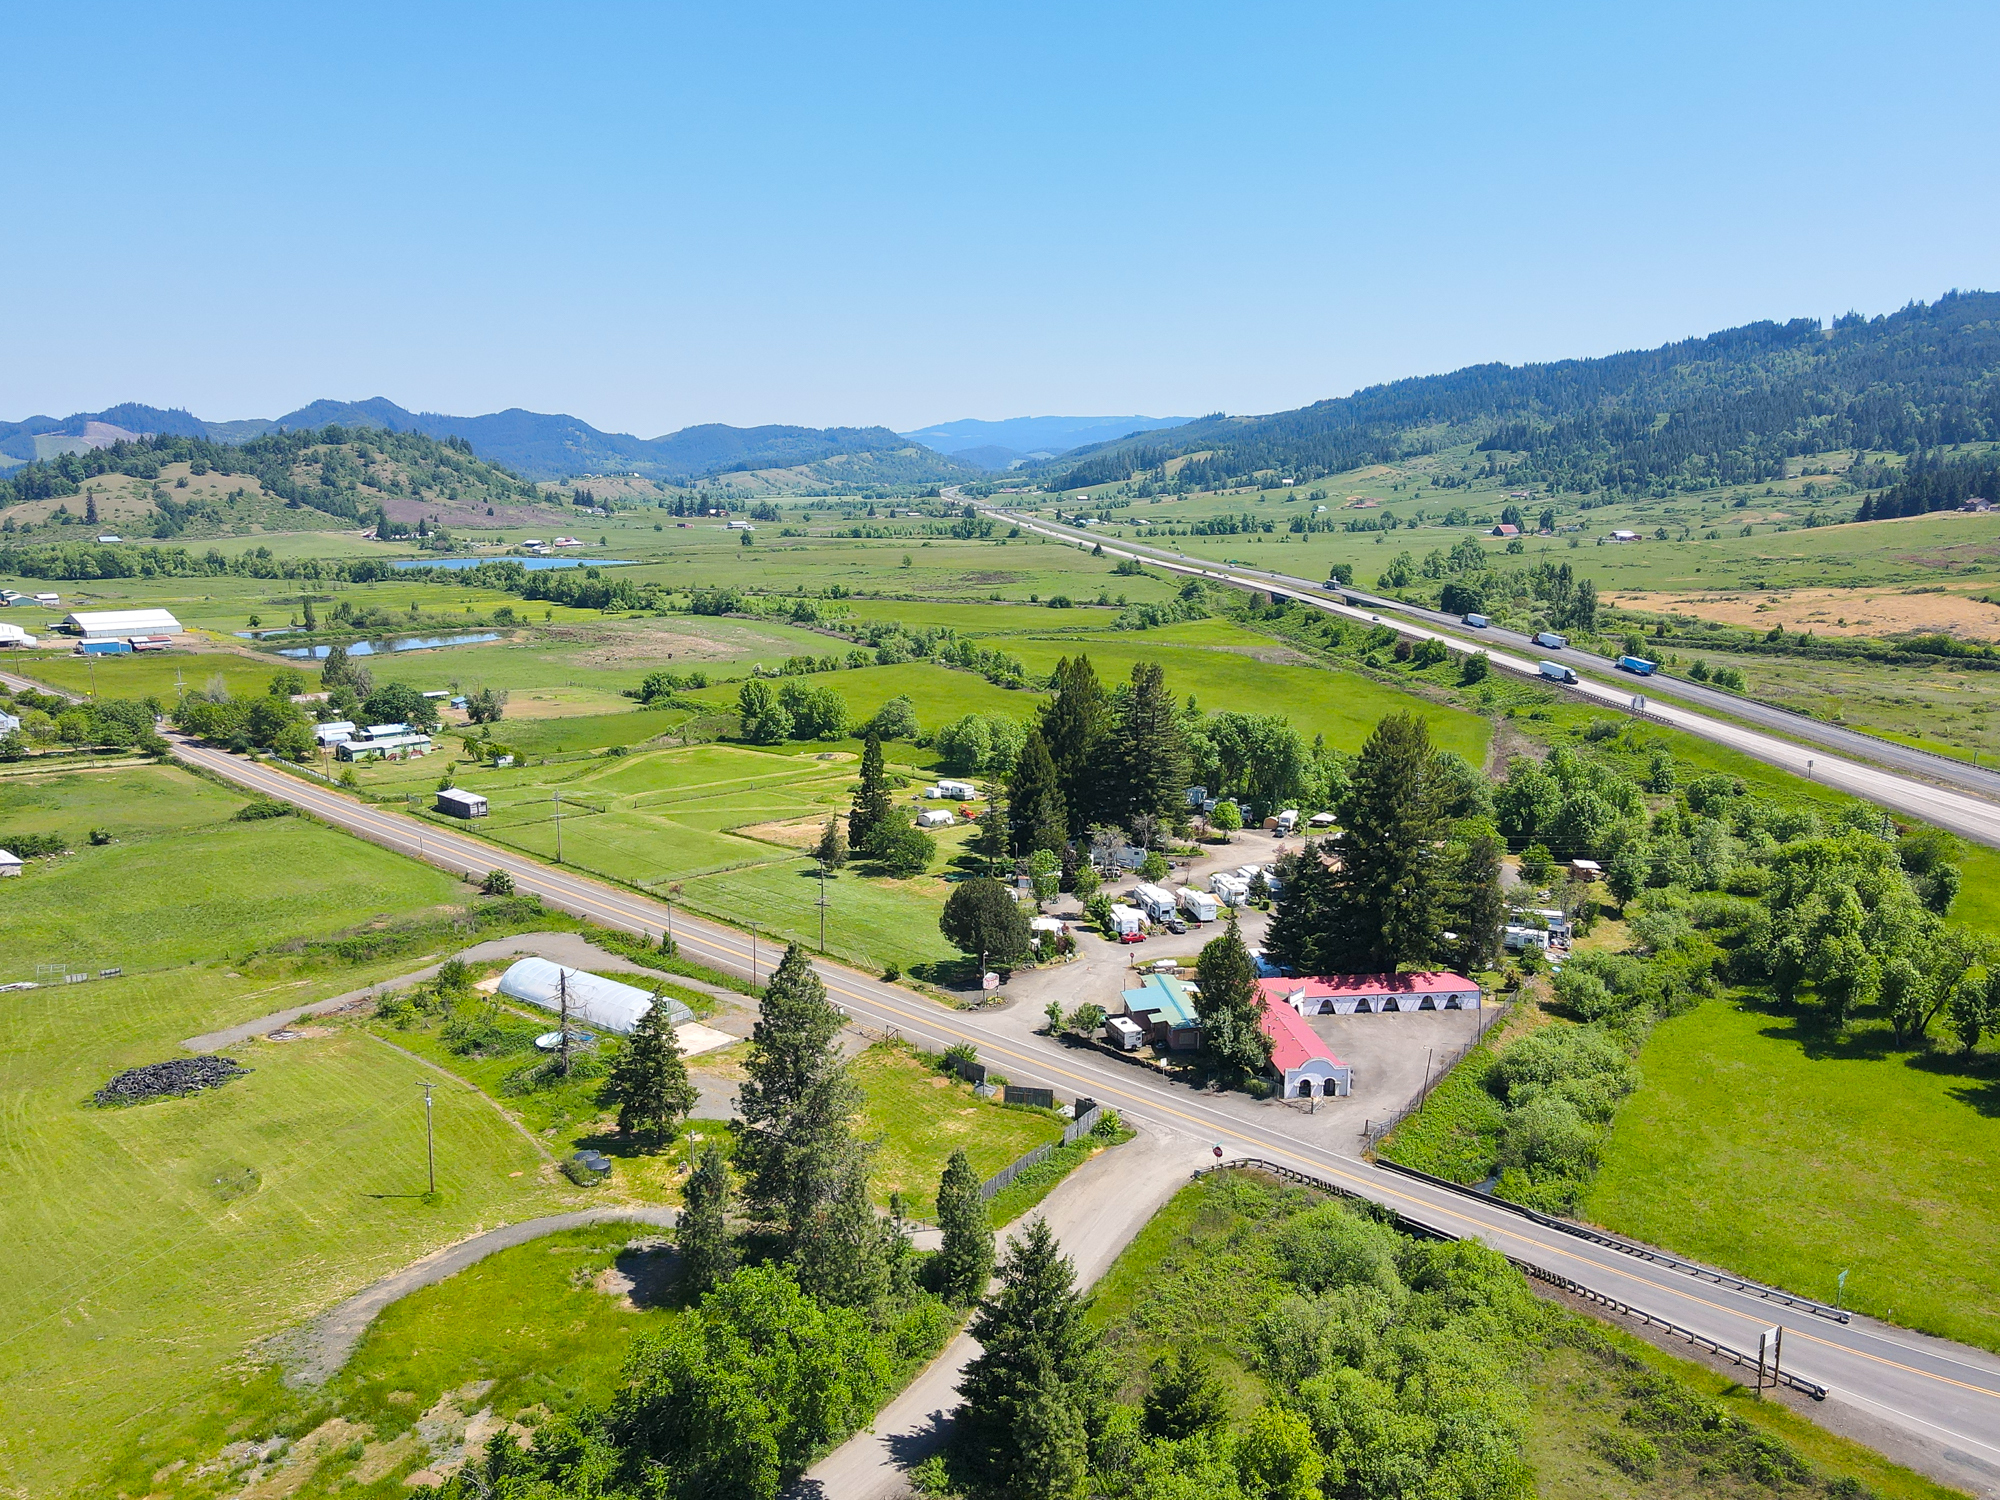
1746,1141
668,821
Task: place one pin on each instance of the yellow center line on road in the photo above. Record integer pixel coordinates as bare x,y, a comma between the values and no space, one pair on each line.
578,890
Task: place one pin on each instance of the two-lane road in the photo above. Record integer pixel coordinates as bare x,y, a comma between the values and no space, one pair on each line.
1956,808
1942,1399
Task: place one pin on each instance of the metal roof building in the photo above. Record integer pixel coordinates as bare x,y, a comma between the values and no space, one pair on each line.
108,624
593,1000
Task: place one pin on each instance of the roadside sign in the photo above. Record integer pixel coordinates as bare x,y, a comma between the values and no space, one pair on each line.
991,981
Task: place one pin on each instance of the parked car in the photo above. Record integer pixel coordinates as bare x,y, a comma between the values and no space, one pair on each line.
1175,925
1131,937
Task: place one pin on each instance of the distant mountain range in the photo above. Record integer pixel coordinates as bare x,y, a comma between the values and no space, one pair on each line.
1017,440
534,444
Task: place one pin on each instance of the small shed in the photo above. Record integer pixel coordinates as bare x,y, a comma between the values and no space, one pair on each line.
461,804
1586,869
593,1000
10,863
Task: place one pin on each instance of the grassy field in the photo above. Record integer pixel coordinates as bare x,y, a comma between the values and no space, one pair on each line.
146,1260
921,1116
1790,1155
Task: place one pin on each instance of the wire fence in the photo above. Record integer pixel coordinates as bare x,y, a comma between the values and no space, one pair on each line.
1373,1130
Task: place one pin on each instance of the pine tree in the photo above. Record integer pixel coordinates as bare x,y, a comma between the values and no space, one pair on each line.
1230,1004
965,1260
649,1081
1476,906
1031,1393
1035,810
1075,723
1383,906
795,1148
832,848
990,834
708,1250
842,1260
1152,759
90,509
872,810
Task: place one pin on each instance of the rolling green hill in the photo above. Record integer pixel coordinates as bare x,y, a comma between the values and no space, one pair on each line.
1727,409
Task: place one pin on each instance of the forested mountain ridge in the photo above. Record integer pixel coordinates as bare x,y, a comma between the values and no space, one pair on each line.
1725,409
535,444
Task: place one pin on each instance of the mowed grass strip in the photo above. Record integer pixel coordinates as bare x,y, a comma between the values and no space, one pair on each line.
1760,1144
922,1115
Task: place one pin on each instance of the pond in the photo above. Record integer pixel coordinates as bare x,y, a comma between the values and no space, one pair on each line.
532,564
384,648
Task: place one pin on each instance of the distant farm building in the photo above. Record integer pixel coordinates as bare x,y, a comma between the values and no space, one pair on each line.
1506,529
1304,1066
461,804
1372,994
593,1000
118,624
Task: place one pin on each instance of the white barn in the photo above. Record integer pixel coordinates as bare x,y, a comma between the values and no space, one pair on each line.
116,624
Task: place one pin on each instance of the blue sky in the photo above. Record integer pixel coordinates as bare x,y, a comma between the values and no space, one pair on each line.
657,215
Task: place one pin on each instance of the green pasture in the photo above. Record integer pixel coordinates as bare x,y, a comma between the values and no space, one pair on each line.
919,1116
185,884
147,1256
1761,1142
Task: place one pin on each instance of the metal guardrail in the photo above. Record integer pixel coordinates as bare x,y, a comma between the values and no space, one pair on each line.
1629,1247
1576,1288
1541,1273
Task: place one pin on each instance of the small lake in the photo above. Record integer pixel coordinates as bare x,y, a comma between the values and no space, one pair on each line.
385,648
532,564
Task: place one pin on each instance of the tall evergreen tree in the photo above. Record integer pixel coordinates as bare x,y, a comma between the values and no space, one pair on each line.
796,1148
965,1259
990,836
1230,1004
1389,878
1476,906
708,1251
1152,759
1037,817
1037,1384
1075,723
872,810
843,1258
1302,916
649,1080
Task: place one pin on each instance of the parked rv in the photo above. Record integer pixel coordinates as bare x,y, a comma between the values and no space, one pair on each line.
1201,906
1155,901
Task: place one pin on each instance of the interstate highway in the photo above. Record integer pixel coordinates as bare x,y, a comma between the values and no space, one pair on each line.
1956,808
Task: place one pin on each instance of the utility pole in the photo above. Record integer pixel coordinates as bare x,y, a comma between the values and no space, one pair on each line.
822,908
753,953
562,1024
430,1138
558,797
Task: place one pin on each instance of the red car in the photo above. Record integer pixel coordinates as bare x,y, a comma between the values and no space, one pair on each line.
1131,937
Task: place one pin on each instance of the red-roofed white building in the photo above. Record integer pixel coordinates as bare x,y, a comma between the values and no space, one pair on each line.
1305,1068
1346,994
